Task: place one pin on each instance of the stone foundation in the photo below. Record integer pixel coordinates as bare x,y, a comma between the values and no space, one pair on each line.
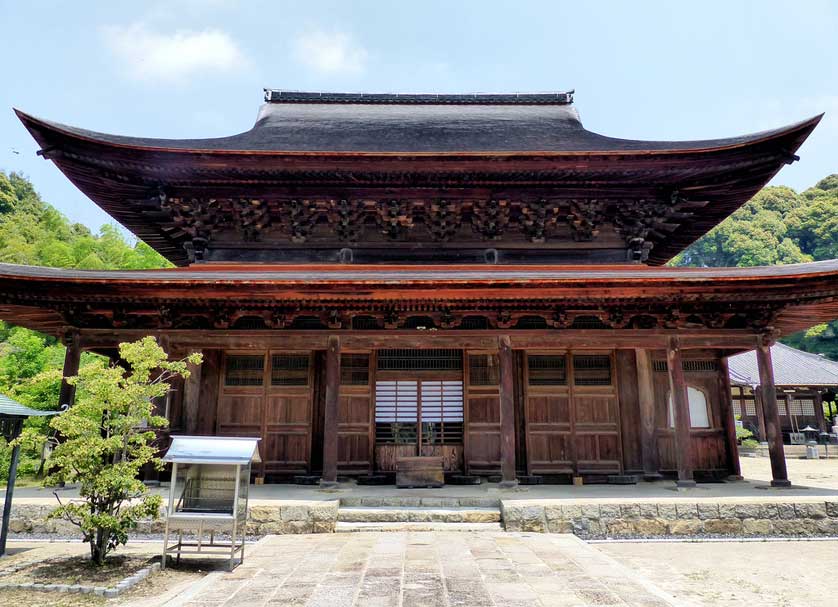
673,519
284,517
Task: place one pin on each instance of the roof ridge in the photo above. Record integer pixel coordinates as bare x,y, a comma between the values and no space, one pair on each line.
544,98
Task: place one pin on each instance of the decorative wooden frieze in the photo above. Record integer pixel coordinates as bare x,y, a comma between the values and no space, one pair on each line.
489,218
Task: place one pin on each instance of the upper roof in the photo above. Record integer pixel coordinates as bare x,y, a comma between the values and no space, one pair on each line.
792,367
291,121
391,178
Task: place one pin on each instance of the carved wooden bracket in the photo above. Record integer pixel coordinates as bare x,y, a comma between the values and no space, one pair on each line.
489,218
538,219
395,218
584,219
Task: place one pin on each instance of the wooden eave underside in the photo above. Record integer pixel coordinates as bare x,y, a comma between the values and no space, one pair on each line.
126,181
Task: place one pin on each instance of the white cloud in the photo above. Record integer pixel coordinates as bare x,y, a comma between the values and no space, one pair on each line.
157,57
330,52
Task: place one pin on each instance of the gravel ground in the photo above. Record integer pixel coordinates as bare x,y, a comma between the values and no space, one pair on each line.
769,574
151,592
820,473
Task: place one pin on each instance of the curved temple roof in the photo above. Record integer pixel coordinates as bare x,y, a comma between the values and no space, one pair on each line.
656,197
307,122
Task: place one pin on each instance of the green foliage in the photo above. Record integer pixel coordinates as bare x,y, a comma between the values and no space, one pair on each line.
108,435
778,226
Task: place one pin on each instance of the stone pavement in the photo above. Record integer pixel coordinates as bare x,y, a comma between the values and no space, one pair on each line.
429,569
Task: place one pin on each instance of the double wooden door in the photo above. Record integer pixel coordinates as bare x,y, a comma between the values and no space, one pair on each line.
571,413
418,414
269,395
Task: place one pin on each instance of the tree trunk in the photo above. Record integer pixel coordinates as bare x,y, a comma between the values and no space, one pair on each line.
99,547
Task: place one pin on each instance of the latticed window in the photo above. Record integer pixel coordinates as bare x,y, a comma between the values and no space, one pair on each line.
781,405
244,370
697,365
354,369
737,407
289,369
547,370
592,370
402,359
483,370
802,406
750,406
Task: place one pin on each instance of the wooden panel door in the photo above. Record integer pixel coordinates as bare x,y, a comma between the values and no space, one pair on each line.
269,395
482,413
355,414
595,414
286,426
242,395
549,426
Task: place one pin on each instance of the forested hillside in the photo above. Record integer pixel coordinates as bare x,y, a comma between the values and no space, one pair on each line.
33,232
778,226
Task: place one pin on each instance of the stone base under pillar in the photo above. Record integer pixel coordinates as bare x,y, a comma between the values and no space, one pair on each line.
508,484
685,484
781,483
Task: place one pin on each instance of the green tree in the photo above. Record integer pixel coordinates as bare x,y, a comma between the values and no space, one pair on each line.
778,226
108,439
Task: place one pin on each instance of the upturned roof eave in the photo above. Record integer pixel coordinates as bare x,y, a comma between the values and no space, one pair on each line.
679,148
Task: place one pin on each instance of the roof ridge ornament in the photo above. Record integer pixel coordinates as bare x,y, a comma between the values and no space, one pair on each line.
543,98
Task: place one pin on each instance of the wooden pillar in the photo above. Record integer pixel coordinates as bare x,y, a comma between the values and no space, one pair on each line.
507,412
192,399
648,419
71,367
760,414
728,419
771,413
330,414
819,413
681,412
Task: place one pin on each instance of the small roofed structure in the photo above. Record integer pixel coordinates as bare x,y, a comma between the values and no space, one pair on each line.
210,480
803,381
12,416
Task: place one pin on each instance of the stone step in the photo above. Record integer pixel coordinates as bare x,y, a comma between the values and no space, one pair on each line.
399,501
362,514
345,527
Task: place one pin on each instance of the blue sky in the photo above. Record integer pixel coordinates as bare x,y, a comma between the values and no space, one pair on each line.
191,68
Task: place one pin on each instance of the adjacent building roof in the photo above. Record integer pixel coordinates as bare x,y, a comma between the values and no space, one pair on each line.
792,367
12,408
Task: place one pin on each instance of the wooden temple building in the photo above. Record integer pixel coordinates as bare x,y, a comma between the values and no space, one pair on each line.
476,278
804,382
